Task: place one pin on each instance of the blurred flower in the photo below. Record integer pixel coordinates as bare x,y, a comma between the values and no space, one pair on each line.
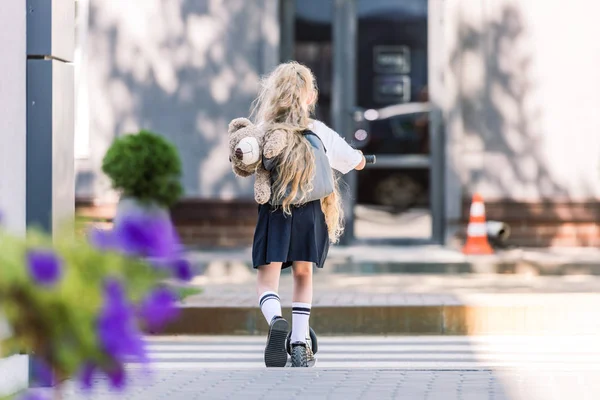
179,267
117,329
144,235
101,239
182,269
86,374
33,396
158,308
44,266
41,372
147,236
116,377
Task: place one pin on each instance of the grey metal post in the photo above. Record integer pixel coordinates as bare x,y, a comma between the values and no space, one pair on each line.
287,11
50,113
436,118
344,94
50,165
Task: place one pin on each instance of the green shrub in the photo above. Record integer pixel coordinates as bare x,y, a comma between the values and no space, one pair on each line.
144,166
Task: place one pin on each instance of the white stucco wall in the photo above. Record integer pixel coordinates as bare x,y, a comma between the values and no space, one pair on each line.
522,99
183,69
13,58
13,114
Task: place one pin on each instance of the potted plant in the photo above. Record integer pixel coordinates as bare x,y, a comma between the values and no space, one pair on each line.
80,306
146,169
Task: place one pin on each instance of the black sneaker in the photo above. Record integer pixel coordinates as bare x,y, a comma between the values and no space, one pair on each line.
299,355
275,354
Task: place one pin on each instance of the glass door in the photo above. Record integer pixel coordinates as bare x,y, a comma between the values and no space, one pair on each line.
370,58
392,120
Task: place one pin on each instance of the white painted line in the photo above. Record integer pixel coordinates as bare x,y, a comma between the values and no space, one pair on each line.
400,348
321,364
260,339
367,356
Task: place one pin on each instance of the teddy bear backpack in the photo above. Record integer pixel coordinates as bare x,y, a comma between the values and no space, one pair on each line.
254,151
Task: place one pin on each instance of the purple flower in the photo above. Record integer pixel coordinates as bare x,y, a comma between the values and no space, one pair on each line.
101,239
158,308
41,371
44,266
86,374
117,329
182,269
147,236
33,396
116,377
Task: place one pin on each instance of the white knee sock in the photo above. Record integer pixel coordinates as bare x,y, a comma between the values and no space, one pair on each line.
300,317
270,305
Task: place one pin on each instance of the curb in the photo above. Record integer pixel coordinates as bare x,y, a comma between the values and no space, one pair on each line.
409,261
401,320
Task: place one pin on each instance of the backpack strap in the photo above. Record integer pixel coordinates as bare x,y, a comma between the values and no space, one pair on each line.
309,132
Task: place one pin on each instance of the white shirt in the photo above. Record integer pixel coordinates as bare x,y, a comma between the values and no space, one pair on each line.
342,157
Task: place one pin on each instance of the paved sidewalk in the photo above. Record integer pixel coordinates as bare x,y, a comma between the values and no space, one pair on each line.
425,368
370,384
406,290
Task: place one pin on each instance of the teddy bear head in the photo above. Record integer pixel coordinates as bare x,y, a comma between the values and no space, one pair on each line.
245,146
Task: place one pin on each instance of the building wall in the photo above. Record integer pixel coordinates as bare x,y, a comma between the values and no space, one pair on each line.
13,105
181,68
522,104
518,90
13,114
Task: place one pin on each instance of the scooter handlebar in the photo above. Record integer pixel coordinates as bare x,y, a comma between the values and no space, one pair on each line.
370,159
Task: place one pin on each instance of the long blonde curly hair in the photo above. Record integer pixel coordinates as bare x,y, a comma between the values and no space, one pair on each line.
286,99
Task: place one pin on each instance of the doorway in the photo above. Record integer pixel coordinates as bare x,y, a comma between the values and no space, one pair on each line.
370,59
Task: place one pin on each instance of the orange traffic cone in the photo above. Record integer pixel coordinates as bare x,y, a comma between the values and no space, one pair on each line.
477,240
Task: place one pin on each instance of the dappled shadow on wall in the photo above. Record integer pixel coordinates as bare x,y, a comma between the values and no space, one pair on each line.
499,106
182,68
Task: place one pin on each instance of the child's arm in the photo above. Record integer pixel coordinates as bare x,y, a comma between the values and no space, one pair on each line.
362,163
342,157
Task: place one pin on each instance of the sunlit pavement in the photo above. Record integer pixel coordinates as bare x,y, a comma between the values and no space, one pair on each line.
445,368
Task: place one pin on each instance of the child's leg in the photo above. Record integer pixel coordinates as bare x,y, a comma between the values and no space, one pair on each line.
267,288
270,305
302,300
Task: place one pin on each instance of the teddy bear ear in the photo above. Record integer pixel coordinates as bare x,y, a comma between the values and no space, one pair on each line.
238,124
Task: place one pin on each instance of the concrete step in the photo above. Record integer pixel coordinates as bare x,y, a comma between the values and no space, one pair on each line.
404,304
563,316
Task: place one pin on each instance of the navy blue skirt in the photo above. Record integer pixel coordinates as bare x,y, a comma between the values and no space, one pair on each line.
301,236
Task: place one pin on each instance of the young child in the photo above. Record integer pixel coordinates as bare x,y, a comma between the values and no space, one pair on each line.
295,235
